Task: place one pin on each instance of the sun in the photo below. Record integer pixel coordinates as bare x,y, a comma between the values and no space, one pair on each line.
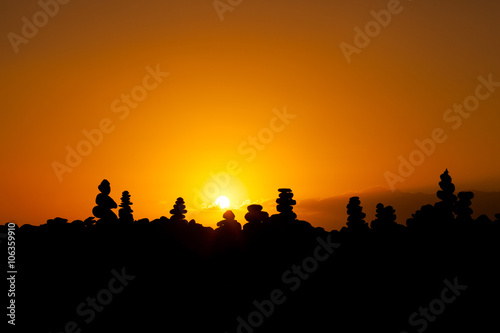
222,201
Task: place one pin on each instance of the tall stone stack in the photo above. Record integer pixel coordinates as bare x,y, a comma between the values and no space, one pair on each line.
104,203
446,207
447,189
285,204
462,209
178,211
125,211
355,220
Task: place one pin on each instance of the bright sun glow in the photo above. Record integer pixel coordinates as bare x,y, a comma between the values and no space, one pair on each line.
222,202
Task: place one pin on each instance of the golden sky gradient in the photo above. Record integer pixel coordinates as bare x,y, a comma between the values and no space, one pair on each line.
267,95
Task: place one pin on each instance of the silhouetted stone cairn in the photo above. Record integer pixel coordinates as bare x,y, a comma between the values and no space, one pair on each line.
446,206
356,222
255,218
104,203
285,205
462,209
385,219
178,211
125,211
229,222
447,188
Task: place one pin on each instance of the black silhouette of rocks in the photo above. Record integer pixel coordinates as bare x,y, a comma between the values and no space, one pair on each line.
483,222
285,204
58,221
125,211
462,209
161,221
497,220
255,217
356,216
423,219
240,273
440,216
447,188
178,211
194,226
446,206
385,219
104,203
144,221
89,222
229,221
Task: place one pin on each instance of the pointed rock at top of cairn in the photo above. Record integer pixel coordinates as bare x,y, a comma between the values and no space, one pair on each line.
447,188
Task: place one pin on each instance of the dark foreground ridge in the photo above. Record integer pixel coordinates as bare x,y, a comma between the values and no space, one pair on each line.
270,274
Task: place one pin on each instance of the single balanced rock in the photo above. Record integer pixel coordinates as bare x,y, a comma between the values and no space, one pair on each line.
255,217
229,222
285,204
126,211
178,211
104,203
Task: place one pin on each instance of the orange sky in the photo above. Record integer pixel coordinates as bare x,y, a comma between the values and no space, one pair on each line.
268,89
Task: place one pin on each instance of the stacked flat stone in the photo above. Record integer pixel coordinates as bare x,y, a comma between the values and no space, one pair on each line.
356,216
255,217
125,211
255,214
285,204
178,211
447,189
